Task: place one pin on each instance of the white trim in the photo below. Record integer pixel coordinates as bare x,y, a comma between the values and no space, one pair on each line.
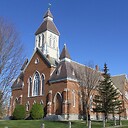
66,89
52,72
21,96
73,98
41,102
50,91
28,84
34,102
49,103
53,81
66,59
54,99
29,60
41,86
16,99
37,61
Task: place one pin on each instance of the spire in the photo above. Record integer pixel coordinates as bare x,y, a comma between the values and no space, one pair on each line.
48,14
47,24
64,53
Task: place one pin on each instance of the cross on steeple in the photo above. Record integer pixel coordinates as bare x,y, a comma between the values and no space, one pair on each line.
49,5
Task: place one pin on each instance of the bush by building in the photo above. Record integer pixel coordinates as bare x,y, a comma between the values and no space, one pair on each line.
36,111
19,112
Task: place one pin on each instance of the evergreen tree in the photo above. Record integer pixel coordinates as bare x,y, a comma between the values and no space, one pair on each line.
19,112
107,101
37,111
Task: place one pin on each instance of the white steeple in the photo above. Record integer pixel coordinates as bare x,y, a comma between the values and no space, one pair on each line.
47,37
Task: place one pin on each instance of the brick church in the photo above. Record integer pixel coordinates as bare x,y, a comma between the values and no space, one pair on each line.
50,78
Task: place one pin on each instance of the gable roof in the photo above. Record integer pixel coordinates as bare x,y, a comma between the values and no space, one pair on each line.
119,82
70,70
24,64
18,83
49,60
62,72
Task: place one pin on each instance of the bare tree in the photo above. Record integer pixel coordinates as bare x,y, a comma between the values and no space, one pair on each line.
89,80
10,58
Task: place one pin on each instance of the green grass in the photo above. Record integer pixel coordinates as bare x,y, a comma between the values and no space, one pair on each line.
51,124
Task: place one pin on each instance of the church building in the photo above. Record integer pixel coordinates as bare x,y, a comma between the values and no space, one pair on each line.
50,78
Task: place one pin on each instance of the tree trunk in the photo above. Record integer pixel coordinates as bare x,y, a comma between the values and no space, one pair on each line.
115,121
104,120
120,120
89,124
106,117
86,116
103,123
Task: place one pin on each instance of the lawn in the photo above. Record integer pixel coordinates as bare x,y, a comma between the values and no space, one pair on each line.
50,124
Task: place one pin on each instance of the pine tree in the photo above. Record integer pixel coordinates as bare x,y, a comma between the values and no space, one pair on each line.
107,101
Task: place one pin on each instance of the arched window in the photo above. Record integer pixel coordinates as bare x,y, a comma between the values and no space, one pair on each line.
73,98
50,40
54,42
39,42
36,86
43,83
29,86
42,38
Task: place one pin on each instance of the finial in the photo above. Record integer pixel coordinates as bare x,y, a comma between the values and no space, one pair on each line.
49,5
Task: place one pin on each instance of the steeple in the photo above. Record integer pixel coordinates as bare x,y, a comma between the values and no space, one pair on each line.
47,37
64,54
48,14
47,24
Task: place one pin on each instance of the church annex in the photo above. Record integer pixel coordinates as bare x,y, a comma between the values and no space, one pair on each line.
49,78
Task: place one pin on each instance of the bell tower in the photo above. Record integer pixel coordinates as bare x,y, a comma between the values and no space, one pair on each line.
47,37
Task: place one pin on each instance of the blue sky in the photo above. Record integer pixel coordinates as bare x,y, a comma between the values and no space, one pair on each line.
94,30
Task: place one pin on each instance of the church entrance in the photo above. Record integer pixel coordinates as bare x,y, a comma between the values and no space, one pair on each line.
58,104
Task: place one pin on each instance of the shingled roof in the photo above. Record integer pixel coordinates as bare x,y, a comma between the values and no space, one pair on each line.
49,60
65,53
69,70
119,82
47,25
48,13
18,84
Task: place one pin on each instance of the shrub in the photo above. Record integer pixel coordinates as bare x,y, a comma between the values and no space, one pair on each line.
36,111
19,112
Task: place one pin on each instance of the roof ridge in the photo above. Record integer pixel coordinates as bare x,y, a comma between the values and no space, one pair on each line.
119,75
